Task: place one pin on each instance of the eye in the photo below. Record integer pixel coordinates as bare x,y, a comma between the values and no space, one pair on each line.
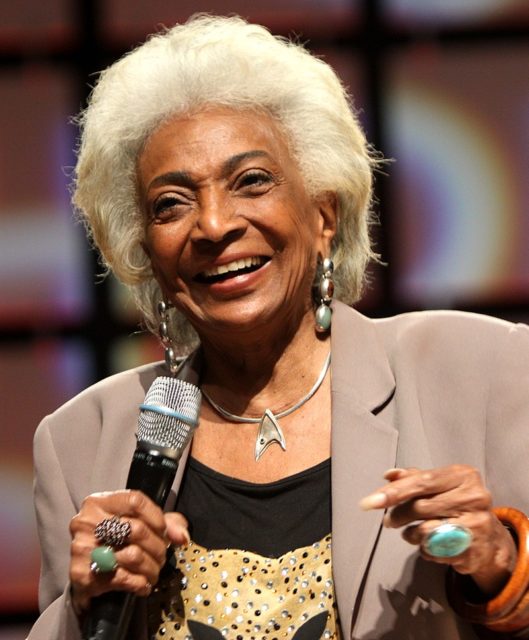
254,182
169,206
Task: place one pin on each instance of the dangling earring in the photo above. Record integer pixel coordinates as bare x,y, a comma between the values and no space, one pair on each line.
163,330
323,313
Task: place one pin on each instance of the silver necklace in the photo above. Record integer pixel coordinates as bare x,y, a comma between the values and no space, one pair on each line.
269,430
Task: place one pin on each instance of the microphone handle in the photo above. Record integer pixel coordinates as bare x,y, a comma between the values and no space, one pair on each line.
110,613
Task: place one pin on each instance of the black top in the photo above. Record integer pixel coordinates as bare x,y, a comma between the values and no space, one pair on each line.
269,519
258,566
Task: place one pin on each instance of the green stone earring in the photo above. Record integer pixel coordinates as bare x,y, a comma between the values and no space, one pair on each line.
324,312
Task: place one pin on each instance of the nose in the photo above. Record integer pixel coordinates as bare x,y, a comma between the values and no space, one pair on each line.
217,219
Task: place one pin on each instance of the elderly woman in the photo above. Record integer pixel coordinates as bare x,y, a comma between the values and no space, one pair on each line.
224,177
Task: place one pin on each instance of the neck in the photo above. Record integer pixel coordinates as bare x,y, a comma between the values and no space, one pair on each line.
247,375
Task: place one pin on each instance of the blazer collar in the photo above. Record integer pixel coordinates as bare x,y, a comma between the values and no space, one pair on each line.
364,443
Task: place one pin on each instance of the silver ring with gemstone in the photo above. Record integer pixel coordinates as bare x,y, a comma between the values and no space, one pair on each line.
447,540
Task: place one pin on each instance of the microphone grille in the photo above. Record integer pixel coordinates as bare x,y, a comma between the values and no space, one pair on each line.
169,413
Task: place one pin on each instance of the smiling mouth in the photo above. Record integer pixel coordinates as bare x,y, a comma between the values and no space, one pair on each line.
231,269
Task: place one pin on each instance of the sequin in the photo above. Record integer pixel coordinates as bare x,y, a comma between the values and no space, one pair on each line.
251,596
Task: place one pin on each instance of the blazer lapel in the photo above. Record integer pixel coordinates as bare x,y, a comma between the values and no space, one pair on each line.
364,445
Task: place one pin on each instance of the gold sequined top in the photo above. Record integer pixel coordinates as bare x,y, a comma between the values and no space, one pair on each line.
240,595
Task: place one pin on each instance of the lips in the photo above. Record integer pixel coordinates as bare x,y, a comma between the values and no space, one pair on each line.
231,269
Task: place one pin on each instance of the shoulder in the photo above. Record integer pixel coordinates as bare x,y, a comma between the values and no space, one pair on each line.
420,324
452,334
87,442
106,401
446,336
116,389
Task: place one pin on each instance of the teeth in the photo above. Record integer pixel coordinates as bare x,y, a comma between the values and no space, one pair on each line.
235,265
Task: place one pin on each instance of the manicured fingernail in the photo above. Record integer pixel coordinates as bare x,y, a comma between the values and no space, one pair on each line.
186,535
390,473
374,501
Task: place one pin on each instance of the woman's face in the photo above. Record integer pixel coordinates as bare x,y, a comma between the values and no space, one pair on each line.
231,232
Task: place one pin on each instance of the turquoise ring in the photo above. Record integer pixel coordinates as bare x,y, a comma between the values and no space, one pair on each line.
448,540
103,560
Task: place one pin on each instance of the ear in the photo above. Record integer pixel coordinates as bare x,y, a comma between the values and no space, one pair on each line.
326,204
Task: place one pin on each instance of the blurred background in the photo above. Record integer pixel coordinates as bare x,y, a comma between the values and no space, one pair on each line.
443,89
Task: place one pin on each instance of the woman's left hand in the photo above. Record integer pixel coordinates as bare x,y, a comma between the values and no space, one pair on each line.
420,500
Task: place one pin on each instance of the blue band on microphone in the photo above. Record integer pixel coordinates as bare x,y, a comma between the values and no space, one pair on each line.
167,411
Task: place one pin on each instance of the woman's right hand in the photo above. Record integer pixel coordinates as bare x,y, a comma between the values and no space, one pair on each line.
139,560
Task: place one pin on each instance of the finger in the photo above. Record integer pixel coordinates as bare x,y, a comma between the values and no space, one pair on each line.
133,504
134,560
85,584
396,473
177,528
122,580
379,498
149,541
422,483
141,534
144,554
450,504
468,560
416,534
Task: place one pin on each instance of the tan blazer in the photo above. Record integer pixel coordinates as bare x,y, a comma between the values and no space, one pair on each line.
420,389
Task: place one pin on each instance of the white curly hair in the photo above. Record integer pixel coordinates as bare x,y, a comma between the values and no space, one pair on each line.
228,62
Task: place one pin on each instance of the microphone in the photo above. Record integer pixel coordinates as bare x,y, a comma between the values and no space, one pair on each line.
167,420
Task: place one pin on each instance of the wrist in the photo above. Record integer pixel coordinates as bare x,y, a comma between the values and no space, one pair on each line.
493,578
507,611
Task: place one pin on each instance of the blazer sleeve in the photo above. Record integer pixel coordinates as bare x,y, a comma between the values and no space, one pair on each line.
54,509
507,429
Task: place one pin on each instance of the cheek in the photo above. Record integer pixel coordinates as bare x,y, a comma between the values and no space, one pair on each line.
163,246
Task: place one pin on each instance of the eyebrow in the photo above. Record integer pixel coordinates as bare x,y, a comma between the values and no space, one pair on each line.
232,163
185,179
